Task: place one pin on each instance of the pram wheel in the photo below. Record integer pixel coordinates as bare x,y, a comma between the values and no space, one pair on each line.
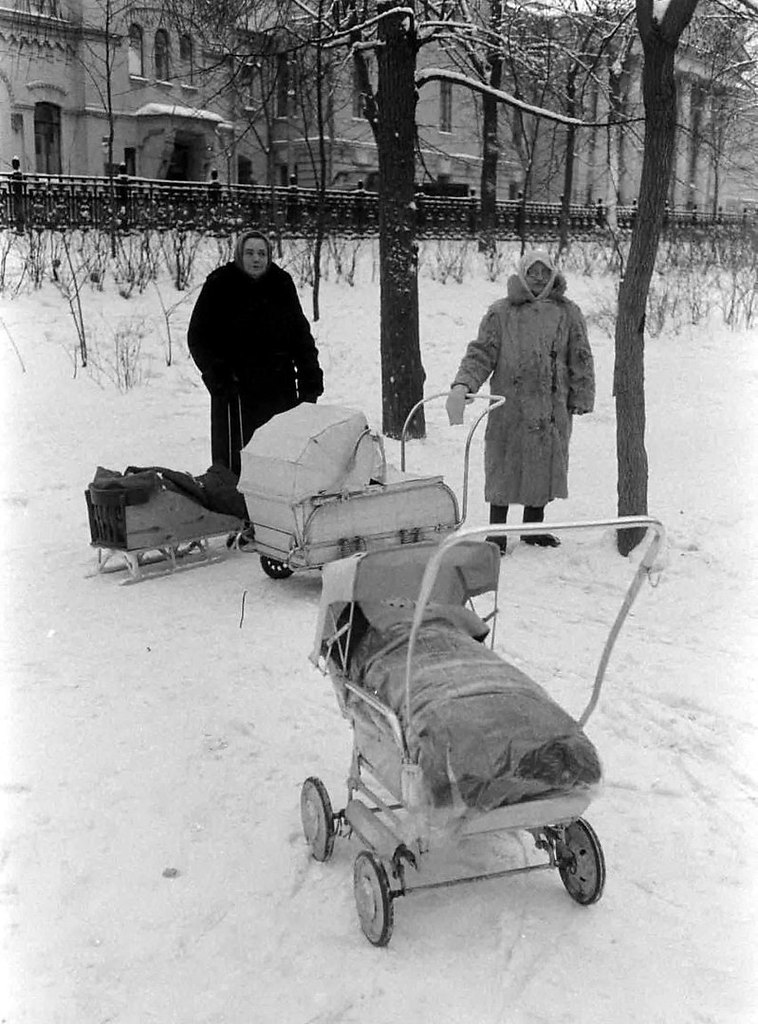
580,862
317,817
275,569
373,899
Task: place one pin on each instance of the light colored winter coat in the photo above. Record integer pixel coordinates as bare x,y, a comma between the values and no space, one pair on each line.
536,353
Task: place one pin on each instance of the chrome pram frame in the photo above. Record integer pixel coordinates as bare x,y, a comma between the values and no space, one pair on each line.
397,831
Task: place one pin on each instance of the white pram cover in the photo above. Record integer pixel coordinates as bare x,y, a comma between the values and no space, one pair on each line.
311,449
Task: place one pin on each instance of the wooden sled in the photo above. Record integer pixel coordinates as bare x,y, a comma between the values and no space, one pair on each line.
152,537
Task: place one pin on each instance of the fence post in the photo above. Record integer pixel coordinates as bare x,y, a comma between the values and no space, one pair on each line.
473,211
122,195
214,189
293,203
17,195
360,208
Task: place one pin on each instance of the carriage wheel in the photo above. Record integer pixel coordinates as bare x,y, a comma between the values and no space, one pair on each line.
318,818
581,863
373,899
275,569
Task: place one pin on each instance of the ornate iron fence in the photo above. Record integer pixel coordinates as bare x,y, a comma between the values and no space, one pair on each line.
30,202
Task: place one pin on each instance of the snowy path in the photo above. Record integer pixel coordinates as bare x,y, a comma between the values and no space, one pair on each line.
149,728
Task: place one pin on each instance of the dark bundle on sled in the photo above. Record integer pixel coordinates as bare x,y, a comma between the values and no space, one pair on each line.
154,513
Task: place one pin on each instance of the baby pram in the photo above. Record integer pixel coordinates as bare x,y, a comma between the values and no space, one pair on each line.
318,488
455,741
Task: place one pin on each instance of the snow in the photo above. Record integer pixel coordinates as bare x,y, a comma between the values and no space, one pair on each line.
176,110
156,736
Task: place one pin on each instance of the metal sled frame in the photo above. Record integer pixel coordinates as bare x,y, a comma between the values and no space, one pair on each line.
389,825
166,534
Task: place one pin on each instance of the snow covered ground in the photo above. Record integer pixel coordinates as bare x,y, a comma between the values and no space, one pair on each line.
162,726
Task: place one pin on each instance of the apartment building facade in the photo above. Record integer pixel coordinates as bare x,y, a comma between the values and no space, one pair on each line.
82,88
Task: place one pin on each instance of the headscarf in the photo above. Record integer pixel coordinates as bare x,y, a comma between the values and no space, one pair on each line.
240,245
528,260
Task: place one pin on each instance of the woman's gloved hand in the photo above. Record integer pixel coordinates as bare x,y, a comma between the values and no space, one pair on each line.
456,403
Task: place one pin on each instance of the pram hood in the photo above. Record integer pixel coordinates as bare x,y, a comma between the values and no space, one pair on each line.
466,571
309,450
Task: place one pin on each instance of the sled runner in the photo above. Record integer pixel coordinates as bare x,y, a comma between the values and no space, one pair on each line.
145,523
318,488
455,742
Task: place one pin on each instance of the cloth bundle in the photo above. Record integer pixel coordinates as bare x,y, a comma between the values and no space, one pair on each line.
483,732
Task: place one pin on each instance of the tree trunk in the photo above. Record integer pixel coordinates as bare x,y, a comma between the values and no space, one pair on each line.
321,171
659,43
490,155
402,371
490,139
568,167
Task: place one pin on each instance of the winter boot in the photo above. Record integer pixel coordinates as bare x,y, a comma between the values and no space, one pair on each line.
499,515
536,514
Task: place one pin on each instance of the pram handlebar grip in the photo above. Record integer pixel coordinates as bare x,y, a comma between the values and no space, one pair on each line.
646,565
493,402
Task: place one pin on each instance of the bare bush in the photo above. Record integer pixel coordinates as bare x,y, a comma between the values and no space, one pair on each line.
342,254
135,262
447,259
180,248
122,365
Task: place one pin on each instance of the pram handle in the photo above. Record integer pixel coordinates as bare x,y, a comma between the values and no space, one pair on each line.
494,402
646,566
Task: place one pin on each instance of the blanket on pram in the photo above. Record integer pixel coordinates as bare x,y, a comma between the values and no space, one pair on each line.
483,732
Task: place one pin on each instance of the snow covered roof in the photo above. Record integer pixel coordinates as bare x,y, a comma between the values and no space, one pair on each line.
175,110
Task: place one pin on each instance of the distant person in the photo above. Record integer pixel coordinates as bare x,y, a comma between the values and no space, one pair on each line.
253,345
533,347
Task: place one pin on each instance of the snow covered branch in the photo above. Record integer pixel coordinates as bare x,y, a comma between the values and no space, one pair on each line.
426,75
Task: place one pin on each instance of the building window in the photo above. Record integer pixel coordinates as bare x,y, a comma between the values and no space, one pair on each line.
186,55
51,8
244,171
446,106
130,160
359,97
136,52
282,85
161,55
246,84
47,138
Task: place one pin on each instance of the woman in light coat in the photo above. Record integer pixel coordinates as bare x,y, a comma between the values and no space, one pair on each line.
533,347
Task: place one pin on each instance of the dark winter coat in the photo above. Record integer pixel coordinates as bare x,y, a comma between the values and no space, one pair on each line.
251,337
536,353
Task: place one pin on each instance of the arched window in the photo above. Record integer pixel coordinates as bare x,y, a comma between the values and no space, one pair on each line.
161,55
47,138
186,55
136,52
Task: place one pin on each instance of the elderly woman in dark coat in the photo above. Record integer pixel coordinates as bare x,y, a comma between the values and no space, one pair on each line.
533,347
252,343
